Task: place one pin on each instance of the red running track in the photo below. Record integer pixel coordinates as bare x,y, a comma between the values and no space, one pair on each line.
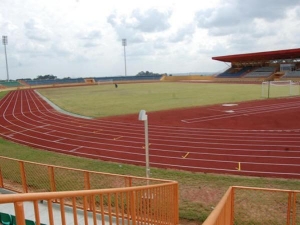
262,136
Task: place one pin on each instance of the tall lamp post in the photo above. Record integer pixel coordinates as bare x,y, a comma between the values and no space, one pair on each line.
124,43
143,117
4,41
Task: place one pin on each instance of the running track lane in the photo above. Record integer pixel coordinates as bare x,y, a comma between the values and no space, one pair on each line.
27,119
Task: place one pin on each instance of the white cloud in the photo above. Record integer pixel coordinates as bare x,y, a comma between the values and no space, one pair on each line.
83,37
35,30
184,32
150,20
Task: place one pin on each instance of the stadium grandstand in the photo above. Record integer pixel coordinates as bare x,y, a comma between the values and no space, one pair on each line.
250,67
27,83
54,81
127,78
82,81
8,84
261,66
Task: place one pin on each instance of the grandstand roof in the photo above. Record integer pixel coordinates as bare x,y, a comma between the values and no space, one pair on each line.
261,56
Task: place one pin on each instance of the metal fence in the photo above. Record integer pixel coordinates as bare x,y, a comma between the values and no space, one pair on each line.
102,198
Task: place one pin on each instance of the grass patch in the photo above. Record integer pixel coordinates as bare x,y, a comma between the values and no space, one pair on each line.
3,93
106,100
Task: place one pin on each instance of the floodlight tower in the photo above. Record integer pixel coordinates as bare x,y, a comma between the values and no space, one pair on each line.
124,43
4,41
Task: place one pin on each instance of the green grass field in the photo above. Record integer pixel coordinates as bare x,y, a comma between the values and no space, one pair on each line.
199,192
106,100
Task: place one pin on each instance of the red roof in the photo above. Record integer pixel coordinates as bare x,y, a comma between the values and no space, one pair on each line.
261,56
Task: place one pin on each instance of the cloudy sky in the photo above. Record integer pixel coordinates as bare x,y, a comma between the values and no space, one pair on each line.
82,38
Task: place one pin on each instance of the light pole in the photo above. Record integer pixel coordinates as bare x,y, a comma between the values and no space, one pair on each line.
143,117
124,43
4,41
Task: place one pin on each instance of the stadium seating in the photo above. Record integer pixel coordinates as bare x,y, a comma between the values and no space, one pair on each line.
292,74
10,83
127,78
54,81
261,72
96,79
5,219
234,73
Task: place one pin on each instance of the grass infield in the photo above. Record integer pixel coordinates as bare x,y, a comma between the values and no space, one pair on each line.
106,100
198,192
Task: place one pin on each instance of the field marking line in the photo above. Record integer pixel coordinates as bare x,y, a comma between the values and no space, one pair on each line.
97,131
144,146
249,110
239,168
117,138
75,149
61,139
30,129
48,132
185,155
238,114
7,127
217,110
6,133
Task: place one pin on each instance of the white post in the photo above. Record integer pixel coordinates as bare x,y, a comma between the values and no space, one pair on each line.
143,117
147,149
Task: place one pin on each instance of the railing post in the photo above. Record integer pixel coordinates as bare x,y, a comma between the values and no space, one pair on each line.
133,207
23,177
87,186
288,213
1,179
176,203
19,210
294,207
232,205
36,212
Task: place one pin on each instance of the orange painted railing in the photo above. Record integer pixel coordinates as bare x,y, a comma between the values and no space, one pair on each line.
92,197
248,205
222,213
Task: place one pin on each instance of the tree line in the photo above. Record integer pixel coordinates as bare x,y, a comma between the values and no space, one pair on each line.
52,77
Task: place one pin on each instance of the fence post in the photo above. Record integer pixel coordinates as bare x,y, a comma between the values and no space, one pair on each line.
128,181
51,178
87,186
176,203
23,177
